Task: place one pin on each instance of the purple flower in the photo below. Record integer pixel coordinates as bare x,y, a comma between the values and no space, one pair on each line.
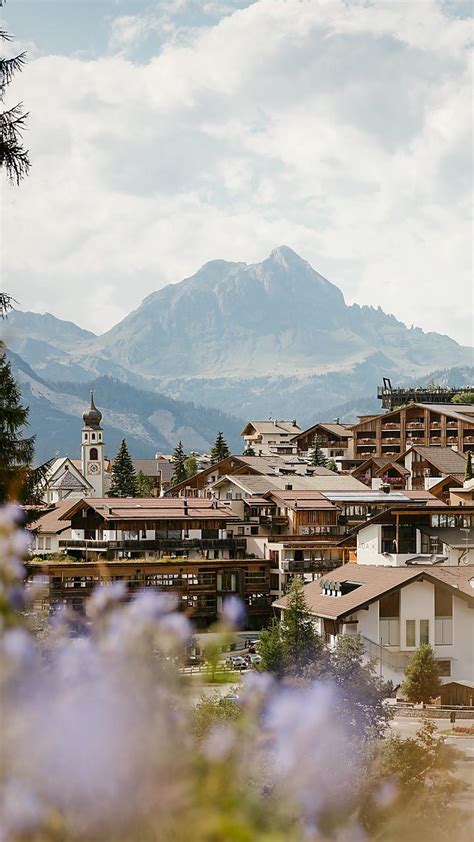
233,612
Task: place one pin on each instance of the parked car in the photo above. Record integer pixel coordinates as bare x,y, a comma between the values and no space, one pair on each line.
254,659
237,662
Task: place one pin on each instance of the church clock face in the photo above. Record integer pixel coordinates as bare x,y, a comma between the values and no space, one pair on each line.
94,468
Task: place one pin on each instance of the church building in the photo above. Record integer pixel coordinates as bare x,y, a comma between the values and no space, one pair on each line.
72,479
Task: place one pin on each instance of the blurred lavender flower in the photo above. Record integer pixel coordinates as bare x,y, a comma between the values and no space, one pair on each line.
20,809
233,612
219,743
176,627
18,647
105,597
10,516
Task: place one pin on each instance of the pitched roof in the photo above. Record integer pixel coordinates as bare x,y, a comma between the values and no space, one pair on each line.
447,460
154,468
373,582
326,482
70,482
152,508
339,430
303,500
270,426
50,520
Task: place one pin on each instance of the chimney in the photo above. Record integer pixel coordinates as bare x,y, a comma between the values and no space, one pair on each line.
385,487
294,422
288,487
185,506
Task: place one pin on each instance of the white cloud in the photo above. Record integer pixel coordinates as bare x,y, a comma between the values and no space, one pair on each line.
341,129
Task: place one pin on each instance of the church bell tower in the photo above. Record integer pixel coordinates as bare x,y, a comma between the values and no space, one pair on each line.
92,449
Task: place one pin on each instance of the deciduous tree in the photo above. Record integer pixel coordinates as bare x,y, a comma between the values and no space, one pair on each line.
144,485
190,465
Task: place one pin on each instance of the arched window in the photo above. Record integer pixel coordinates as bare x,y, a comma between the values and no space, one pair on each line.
93,436
93,453
86,436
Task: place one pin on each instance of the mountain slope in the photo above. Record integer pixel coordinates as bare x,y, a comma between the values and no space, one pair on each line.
150,422
268,338
275,317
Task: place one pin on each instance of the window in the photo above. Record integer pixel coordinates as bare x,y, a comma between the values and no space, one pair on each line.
424,631
444,668
93,454
411,633
40,543
390,632
443,631
47,543
93,436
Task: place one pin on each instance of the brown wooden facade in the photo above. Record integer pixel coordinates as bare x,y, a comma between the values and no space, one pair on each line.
200,586
393,433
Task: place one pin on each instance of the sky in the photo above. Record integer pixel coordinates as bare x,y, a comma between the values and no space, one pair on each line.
166,134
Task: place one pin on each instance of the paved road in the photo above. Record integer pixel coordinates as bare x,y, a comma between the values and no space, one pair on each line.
465,768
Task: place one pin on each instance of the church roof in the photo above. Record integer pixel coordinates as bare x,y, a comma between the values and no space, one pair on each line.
70,482
92,416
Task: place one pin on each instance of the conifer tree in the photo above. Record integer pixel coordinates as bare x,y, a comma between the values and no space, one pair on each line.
16,452
293,645
316,456
179,458
144,487
422,682
220,450
249,451
124,480
468,471
13,156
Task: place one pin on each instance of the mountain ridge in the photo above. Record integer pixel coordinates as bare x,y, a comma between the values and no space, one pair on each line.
274,336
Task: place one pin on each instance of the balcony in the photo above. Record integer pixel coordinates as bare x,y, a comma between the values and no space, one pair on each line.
391,426
451,425
435,425
156,544
366,440
415,425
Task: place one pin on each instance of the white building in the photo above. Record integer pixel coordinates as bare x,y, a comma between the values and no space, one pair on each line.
398,597
72,479
271,438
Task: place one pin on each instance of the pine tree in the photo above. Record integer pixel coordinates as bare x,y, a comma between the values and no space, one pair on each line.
179,458
13,156
292,646
332,466
190,465
144,486
249,451
468,471
422,676
16,452
317,456
124,480
220,450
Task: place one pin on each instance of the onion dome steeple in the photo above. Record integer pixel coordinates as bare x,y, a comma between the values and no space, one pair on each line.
92,416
